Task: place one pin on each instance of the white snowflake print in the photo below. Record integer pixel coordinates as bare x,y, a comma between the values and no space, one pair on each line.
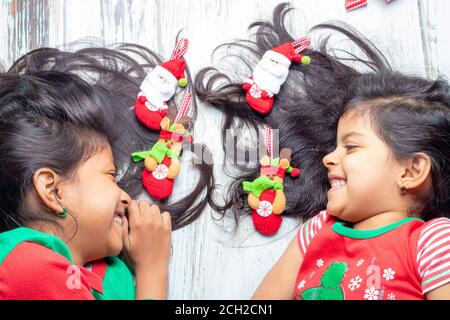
371,294
160,172
320,263
388,274
255,91
355,283
265,209
391,296
360,263
301,284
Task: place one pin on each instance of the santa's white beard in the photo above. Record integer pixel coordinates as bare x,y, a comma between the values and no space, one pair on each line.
269,77
155,91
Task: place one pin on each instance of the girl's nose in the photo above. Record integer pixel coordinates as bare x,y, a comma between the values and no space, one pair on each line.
125,199
330,160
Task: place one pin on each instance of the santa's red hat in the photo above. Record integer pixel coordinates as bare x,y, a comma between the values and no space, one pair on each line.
176,67
286,54
287,50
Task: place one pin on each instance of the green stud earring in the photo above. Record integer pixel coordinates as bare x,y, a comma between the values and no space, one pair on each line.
63,214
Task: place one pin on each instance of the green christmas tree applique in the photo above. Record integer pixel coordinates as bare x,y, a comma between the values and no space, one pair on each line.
331,282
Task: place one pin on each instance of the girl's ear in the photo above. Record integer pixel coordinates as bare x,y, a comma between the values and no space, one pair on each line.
416,172
45,182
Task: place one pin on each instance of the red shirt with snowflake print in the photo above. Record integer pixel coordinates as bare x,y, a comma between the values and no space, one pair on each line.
401,261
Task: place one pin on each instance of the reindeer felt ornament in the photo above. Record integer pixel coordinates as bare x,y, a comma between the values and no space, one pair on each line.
271,72
162,163
266,193
159,86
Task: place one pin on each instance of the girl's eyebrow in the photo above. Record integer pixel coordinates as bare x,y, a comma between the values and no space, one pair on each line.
351,134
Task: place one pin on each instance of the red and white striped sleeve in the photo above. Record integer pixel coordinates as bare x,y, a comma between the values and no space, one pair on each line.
433,254
309,229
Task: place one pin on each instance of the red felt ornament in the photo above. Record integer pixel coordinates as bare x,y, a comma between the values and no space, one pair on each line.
159,86
271,72
162,163
266,193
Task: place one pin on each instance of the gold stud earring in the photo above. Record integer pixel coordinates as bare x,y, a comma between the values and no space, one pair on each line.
403,188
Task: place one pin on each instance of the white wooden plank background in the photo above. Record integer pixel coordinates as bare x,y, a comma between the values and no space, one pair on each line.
209,262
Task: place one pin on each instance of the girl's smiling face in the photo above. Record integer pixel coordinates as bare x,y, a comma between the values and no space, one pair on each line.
97,205
363,173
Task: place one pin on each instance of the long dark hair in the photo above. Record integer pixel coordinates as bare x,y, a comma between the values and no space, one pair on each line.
57,107
310,103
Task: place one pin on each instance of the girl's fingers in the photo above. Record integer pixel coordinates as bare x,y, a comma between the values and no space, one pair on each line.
151,215
144,213
166,221
143,206
133,214
125,234
154,210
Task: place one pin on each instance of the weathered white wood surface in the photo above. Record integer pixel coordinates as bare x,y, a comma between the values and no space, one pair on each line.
208,262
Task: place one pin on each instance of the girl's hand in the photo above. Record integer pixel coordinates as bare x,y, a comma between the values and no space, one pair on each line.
147,239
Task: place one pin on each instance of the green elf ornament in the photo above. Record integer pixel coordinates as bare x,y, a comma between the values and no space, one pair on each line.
266,193
162,164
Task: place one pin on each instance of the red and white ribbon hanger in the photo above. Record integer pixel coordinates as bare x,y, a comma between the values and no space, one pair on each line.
268,141
180,49
355,4
301,44
184,108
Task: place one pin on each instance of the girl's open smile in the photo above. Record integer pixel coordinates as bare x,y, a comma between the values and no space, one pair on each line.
336,182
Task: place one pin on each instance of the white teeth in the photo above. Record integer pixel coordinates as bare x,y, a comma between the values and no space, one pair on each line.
118,219
337,183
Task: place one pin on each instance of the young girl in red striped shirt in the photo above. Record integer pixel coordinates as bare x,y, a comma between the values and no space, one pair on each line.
373,147
385,234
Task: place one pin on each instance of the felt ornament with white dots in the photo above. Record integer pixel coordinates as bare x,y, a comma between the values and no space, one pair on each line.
159,86
162,164
266,195
271,72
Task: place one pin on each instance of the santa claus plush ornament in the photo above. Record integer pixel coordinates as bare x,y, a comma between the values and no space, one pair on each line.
162,163
159,86
266,193
271,72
